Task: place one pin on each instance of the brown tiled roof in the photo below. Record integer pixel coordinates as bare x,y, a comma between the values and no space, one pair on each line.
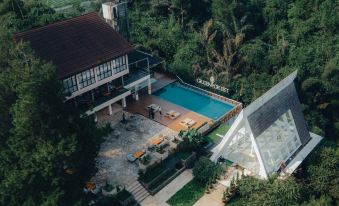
76,44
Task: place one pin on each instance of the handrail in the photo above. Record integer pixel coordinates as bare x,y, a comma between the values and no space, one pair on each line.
211,93
233,112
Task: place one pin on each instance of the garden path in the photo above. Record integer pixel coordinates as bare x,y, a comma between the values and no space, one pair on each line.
214,198
169,190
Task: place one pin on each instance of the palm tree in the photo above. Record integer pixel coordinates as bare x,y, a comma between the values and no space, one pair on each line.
226,58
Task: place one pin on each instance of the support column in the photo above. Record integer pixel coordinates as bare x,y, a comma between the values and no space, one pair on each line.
262,170
110,109
124,102
92,93
136,92
95,117
149,86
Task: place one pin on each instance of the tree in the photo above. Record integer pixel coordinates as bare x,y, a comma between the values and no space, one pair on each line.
253,191
322,201
191,138
46,137
41,137
322,172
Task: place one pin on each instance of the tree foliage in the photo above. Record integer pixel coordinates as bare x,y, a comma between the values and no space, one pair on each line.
240,41
248,46
253,191
204,169
46,150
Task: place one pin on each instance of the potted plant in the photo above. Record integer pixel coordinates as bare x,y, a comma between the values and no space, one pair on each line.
210,183
207,190
108,189
224,196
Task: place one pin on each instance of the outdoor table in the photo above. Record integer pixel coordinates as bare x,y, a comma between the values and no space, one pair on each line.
156,141
139,153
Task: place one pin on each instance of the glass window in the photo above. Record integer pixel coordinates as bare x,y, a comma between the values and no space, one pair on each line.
86,78
284,145
70,84
104,70
119,64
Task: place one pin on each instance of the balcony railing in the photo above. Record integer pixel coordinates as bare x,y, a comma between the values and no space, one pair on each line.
135,75
88,104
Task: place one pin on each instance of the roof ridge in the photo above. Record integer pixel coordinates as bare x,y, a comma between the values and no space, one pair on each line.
94,14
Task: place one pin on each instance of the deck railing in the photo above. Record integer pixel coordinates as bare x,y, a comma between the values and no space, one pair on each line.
216,96
227,116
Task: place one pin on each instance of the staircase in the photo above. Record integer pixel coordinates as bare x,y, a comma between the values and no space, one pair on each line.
138,191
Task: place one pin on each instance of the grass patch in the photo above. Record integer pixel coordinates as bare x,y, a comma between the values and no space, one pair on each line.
187,195
152,173
213,137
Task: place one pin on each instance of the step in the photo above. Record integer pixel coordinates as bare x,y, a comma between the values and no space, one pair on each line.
136,193
132,185
136,188
142,196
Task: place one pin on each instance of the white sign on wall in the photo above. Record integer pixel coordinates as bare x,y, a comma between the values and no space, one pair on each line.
212,85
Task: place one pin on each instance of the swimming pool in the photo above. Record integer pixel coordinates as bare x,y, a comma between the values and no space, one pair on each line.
194,101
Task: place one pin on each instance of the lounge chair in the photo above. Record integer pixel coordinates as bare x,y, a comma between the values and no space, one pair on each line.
187,122
169,113
191,123
175,115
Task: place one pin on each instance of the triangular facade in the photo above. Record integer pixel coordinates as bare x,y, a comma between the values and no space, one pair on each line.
269,133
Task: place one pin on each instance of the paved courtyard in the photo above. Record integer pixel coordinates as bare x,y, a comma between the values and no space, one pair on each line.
125,138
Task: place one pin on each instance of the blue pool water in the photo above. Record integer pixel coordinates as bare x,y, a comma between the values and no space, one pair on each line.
193,101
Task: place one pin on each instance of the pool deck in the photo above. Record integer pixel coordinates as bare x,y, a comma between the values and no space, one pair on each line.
145,100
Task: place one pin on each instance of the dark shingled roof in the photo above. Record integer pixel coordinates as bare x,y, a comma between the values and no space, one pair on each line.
76,44
267,114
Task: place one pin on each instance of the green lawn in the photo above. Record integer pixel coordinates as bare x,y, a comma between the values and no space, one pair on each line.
222,129
188,195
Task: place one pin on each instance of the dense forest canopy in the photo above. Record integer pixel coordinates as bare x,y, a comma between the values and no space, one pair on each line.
46,150
247,45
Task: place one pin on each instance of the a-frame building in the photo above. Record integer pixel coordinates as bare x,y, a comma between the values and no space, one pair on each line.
269,134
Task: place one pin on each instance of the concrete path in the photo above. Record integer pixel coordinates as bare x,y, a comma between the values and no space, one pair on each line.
212,199
167,192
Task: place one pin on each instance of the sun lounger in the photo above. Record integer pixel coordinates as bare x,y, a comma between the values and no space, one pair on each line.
191,123
172,114
187,122
175,115
169,113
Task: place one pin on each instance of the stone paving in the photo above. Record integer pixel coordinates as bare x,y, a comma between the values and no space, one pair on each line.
125,138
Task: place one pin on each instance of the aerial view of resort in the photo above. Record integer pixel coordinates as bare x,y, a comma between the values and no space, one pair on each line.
169,102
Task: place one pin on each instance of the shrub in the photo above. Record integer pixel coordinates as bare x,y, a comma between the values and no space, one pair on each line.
192,140
204,169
